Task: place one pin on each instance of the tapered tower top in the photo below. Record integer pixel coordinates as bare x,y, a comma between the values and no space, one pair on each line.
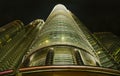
59,6
59,9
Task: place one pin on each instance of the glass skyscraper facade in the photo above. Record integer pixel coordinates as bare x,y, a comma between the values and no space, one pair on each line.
61,45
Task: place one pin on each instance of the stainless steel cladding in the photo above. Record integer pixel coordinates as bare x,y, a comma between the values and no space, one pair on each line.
8,31
60,29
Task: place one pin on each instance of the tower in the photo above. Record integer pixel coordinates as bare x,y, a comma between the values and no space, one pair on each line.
61,45
62,42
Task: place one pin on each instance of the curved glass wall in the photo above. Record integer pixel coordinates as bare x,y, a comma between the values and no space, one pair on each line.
61,29
7,32
38,58
60,55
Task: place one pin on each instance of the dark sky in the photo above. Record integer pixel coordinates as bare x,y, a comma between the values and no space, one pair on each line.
97,15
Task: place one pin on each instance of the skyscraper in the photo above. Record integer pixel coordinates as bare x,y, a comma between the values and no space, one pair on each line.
61,45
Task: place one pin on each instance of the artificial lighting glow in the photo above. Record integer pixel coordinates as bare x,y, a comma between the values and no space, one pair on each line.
52,48
63,38
46,41
75,49
98,52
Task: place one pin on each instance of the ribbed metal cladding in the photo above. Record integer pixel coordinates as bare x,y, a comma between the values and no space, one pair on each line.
8,31
62,38
12,53
111,43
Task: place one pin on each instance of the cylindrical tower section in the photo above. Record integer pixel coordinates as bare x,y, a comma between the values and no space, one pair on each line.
62,42
8,31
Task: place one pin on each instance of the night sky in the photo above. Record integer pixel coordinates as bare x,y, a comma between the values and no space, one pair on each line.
97,15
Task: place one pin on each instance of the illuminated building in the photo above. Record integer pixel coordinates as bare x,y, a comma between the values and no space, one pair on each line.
112,44
60,46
